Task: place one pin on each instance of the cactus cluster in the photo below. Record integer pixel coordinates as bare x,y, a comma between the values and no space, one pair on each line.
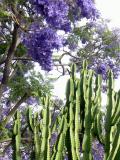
79,123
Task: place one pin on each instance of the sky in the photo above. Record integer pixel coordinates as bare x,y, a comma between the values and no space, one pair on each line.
109,9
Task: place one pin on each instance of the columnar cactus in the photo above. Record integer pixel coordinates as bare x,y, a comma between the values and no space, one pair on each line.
16,137
36,136
115,144
87,139
46,133
58,151
72,99
116,112
108,122
83,78
79,122
97,114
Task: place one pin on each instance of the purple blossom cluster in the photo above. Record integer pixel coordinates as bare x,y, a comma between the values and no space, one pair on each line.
54,12
25,154
40,44
5,104
102,67
31,101
56,16
8,153
88,9
97,150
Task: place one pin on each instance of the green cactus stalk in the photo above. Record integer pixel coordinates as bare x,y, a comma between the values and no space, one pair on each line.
82,99
97,114
86,146
115,144
100,134
36,137
59,154
71,122
72,103
16,137
45,146
108,122
116,114
34,127
98,97
67,108
58,151
77,120
118,153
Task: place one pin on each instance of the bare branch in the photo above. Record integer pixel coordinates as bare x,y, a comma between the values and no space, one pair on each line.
13,110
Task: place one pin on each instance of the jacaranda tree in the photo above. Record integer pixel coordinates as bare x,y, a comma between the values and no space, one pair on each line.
97,43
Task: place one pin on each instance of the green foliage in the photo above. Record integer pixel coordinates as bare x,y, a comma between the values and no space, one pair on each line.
3,48
20,51
34,84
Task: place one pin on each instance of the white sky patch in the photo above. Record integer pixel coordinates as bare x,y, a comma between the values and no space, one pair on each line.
60,87
117,84
110,9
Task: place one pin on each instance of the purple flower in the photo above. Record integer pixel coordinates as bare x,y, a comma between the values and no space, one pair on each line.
40,44
58,14
53,139
31,101
101,69
102,66
83,40
104,88
1,78
54,12
97,150
88,9
7,155
26,153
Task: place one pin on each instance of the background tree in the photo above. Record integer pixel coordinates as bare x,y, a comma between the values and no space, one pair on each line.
97,43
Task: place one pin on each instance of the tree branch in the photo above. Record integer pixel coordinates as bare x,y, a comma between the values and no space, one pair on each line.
8,60
10,55
13,110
